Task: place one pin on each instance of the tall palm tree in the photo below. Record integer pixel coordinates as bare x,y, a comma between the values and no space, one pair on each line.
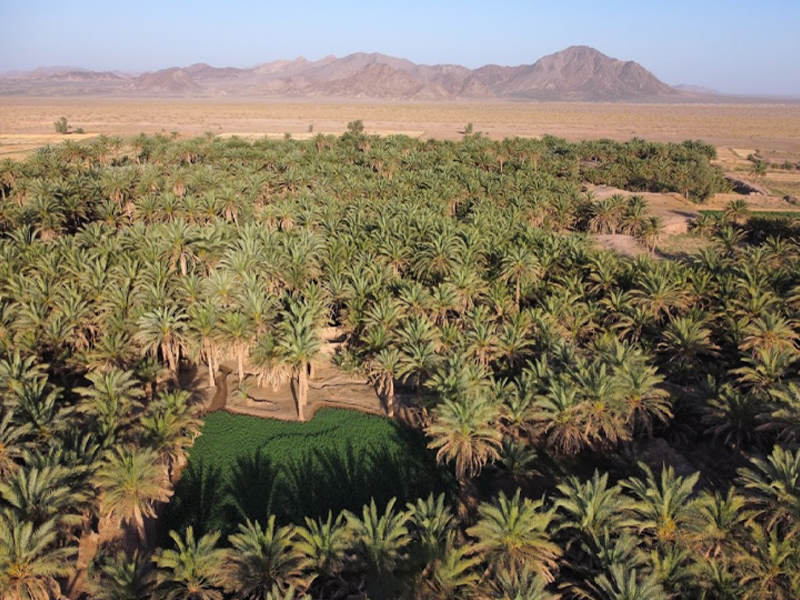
464,432
131,483
42,492
237,335
162,330
13,441
170,425
622,583
662,507
299,343
454,575
194,570
382,538
774,484
111,402
123,578
263,558
518,265
323,545
30,561
512,534
431,522
717,526
562,419
651,232
518,585
383,368
771,569
586,510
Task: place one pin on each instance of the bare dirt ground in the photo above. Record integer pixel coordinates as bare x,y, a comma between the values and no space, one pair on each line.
328,387
28,122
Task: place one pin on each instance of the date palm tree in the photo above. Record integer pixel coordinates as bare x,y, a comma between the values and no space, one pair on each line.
237,335
13,441
169,426
263,558
202,333
30,561
131,483
662,507
454,575
771,569
717,527
586,510
383,539
323,545
299,343
651,232
624,583
686,342
162,330
383,368
123,578
464,432
518,585
194,570
43,492
774,485
518,265
431,523
111,402
512,534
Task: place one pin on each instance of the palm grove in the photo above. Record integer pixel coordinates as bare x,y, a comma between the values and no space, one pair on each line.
616,428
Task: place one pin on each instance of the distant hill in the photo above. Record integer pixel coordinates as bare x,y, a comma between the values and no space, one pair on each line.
578,73
697,89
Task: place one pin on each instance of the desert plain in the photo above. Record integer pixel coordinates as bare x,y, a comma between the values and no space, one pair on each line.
26,121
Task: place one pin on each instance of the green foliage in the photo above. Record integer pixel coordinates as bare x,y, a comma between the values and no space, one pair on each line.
638,165
61,126
461,283
246,467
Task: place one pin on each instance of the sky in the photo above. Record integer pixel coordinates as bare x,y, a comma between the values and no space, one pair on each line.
732,46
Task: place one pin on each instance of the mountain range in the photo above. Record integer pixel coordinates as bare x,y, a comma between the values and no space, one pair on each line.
579,73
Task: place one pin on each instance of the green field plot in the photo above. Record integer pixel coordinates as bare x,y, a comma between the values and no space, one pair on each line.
246,467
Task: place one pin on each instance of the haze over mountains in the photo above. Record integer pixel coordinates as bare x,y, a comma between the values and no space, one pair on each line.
578,73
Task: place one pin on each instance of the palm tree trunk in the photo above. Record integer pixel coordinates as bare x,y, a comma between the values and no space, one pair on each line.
166,350
302,391
467,504
390,397
210,362
140,528
241,366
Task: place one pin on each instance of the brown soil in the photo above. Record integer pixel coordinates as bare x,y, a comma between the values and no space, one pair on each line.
329,387
677,215
773,127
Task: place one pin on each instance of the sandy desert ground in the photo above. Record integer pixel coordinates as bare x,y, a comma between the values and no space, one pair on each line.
28,122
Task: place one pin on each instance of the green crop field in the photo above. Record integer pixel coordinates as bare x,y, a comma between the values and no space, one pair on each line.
246,467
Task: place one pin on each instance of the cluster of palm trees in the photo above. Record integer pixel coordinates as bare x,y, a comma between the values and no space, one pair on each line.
651,536
467,291
644,166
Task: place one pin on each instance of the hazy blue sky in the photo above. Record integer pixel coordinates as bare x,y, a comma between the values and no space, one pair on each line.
733,46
